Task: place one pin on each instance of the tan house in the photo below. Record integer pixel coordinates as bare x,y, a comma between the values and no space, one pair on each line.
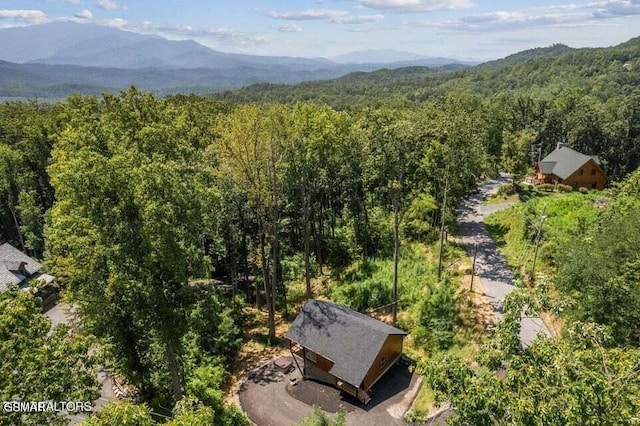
343,348
569,167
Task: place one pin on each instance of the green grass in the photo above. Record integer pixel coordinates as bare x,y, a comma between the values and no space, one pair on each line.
368,283
513,198
514,229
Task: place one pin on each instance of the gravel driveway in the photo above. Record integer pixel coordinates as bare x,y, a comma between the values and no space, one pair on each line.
491,267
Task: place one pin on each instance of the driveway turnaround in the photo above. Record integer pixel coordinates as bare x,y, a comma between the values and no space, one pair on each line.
273,398
491,267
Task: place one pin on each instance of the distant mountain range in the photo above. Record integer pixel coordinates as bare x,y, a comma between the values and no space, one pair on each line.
61,58
391,56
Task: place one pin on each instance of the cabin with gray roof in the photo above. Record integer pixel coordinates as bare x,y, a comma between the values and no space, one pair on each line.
17,268
569,167
342,347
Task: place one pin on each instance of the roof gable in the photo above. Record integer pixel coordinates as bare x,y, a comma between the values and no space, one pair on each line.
564,161
10,261
348,338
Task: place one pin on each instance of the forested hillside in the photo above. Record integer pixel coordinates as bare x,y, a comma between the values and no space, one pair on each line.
186,232
543,72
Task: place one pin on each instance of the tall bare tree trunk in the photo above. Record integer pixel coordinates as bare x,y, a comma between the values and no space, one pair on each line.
274,280
396,249
265,274
15,222
320,234
307,267
176,385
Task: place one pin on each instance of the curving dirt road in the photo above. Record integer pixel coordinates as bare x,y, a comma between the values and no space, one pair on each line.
491,267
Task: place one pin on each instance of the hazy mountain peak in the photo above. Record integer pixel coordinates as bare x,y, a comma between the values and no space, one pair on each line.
378,56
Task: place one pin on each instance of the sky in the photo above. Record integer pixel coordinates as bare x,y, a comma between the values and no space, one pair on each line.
465,29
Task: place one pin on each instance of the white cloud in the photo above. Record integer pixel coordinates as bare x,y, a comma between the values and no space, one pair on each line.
84,14
563,15
108,5
222,35
415,6
358,19
310,14
333,15
614,8
289,28
76,2
30,16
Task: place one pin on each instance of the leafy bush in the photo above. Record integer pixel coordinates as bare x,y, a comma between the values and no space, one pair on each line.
363,295
437,315
547,187
319,418
416,417
564,188
507,189
342,249
416,224
368,284
583,190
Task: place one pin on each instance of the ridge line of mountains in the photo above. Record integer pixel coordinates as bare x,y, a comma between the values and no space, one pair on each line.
58,59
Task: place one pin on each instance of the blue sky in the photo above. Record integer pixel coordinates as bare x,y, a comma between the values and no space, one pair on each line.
473,29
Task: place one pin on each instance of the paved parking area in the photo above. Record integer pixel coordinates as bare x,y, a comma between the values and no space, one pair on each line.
271,399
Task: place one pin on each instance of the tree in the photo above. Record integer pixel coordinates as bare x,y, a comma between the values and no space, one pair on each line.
40,364
314,141
394,150
600,273
252,151
576,379
516,153
136,203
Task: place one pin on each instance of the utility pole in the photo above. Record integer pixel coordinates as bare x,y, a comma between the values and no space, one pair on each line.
444,206
473,267
535,256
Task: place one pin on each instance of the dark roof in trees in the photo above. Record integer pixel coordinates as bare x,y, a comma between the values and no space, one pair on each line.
348,338
11,260
564,161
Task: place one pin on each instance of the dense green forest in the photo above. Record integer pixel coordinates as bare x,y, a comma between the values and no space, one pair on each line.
171,224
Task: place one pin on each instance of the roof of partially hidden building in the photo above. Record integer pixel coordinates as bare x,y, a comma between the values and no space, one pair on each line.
10,261
348,338
564,161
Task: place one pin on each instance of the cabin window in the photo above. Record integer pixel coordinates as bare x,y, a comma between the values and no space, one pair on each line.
593,172
580,172
383,361
311,356
575,185
594,185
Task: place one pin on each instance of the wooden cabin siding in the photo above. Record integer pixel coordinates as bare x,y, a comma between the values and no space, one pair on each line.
391,350
586,179
324,363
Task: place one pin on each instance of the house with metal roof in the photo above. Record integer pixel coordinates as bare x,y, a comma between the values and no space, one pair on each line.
18,268
342,347
569,167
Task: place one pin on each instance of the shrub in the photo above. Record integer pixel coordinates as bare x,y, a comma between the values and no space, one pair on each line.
564,188
417,220
506,190
583,190
319,418
547,187
437,315
363,295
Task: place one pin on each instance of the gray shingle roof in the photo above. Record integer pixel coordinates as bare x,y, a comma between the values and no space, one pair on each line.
10,260
350,339
564,161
